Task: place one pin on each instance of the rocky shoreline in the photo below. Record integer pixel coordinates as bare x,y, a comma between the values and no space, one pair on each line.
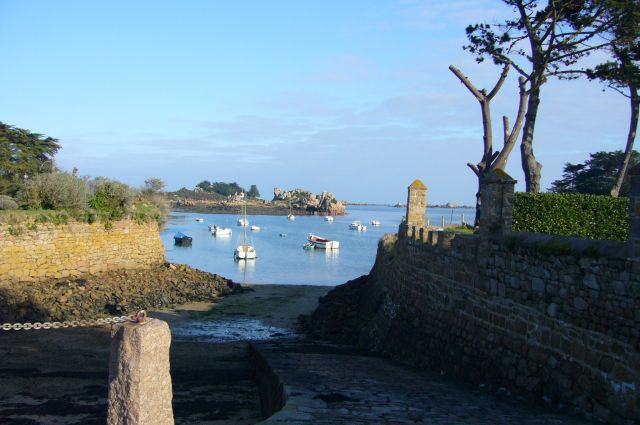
252,209
110,293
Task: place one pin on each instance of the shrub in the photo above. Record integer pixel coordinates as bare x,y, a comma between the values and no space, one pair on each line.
7,203
59,190
159,200
111,198
572,214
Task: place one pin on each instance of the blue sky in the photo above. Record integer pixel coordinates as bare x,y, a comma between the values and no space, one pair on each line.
352,97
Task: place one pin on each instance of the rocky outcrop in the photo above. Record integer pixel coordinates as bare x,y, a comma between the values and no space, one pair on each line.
110,293
322,204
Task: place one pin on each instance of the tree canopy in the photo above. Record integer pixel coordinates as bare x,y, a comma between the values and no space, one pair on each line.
23,155
595,176
154,184
253,192
227,189
622,71
541,40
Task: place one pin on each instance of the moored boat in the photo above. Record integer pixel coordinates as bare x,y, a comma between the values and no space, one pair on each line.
220,231
255,228
357,225
245,252
182,239
323,243
375,222
199,220
328,218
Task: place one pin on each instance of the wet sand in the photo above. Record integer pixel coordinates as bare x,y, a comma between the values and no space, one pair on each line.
60,376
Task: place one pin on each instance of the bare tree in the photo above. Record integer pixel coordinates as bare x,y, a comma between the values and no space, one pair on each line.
492,160
543,39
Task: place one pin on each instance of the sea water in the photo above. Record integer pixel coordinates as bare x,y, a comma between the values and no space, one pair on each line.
280,256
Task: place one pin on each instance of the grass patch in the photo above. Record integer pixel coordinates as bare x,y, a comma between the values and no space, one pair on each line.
460,228
140,212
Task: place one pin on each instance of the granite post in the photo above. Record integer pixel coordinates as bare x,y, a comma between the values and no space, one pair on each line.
140,390
496,209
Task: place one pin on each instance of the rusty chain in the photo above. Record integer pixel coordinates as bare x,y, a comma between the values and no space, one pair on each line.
138,317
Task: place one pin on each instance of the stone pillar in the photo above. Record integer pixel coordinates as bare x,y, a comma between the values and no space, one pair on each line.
633,244
416,204
496,208
140,390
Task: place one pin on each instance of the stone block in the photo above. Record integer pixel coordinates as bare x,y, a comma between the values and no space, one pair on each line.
140,390
579,303
537,285
590,281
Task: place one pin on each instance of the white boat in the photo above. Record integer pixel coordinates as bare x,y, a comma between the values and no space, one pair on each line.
322,243
220,231
375,222
244,251
199,220
356,225
290,216
243,222
328,218
255,228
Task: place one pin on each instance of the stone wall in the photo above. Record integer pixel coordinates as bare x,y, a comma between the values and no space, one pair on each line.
552,316
563,328
75,249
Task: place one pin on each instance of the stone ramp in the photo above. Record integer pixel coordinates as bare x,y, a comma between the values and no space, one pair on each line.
60,377
332,384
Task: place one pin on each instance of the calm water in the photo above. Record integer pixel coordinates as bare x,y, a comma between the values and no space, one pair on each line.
281,259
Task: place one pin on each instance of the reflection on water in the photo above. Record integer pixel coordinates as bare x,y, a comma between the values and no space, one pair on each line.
228,330
246,266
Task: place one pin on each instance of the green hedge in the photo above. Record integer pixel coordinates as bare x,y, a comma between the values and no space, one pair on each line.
572,214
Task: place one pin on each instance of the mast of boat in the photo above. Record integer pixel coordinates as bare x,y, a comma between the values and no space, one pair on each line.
290,216
244,204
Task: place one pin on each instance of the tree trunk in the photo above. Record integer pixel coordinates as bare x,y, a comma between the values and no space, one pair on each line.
633,125
530,166
476,222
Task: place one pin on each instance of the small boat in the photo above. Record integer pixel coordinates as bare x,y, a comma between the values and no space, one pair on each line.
290,216
283,235
243,222
356,225
322,243
328,218
199,220
244,251
182,239
375,222
220,231
308,246
255,228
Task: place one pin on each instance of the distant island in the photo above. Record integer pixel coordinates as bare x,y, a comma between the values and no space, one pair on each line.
400,205
296,201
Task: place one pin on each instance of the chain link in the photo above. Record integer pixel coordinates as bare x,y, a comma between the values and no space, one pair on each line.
138,317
